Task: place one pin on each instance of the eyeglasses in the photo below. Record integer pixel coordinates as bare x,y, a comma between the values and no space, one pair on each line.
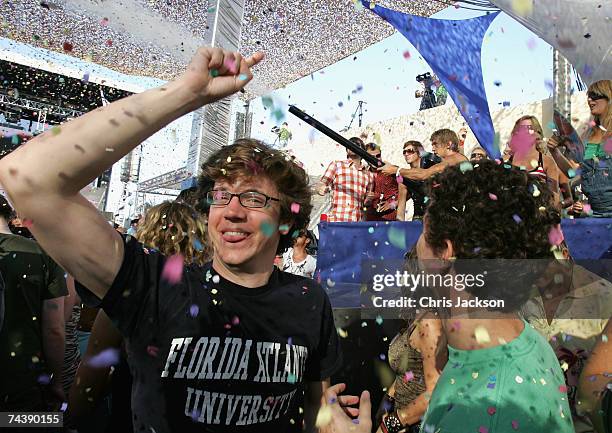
378,155
596,96
409,151
477,156
248,199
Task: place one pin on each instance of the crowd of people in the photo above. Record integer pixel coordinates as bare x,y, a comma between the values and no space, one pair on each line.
195,329
579,181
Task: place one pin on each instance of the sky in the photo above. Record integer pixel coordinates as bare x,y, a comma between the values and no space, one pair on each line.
517,68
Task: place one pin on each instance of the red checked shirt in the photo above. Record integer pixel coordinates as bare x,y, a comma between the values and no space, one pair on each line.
349,184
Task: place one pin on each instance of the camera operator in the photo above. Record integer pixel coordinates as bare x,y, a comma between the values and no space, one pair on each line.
427,94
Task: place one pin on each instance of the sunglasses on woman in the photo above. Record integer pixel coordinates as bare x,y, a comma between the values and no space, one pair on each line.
594,96
409,151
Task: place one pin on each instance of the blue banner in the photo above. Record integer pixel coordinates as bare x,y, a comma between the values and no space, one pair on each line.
344,246
453,51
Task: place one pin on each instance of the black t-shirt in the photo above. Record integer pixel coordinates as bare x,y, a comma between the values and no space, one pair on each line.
30,277
210,355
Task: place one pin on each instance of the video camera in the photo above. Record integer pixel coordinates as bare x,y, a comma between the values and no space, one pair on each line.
423,77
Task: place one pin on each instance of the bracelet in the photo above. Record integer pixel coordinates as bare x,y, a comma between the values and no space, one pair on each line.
391,423
397,173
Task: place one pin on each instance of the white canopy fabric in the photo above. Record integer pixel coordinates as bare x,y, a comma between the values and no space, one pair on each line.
580,29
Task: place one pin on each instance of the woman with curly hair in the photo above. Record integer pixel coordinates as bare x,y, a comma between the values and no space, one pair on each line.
501,375
596,166
175,229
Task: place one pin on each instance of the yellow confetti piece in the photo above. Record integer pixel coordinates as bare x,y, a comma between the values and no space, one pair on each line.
564,366
452,381
323,417
229,159
482,335
342,333
522,7
542,381
475,375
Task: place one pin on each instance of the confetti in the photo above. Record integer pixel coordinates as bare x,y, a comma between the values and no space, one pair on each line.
379,320
518,379
194,310
173,269
406,54
243,77
555,235
295,207
517,219
342,333
522,7
492,196
324,417
482,335
371,230
215,279
408,376
515,425
105,358
267,228
466,166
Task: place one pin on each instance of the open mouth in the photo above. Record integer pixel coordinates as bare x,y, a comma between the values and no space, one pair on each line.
234,236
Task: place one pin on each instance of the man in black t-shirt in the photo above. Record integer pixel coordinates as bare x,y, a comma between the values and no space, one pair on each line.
236,345
32,332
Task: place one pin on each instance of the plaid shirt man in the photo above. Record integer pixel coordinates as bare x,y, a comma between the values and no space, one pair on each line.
349,183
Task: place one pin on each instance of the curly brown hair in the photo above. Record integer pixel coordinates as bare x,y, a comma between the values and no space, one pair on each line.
492,211
175,228
248,158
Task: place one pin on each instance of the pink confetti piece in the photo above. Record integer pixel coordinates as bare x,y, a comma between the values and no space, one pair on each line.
562,388
515,425
406,54
235,320
105,358
483,429
532,44
152,350
408,376
230,64
104,22
492,196
522,141
295,207
491,410
555,235
173,269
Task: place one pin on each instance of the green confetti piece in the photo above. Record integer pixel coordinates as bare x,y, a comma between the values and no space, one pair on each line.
267,229
267,101
214,73
243,77
15,140
379,320
397,238
466,166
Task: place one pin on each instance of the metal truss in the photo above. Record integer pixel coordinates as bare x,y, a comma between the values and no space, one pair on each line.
165,180
49,109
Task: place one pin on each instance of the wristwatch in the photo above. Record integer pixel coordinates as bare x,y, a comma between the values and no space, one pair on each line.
391,423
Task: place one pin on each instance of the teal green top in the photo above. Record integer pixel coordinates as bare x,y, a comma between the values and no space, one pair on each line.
593,150
513,387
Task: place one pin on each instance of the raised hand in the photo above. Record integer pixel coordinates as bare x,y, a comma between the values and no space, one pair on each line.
215,73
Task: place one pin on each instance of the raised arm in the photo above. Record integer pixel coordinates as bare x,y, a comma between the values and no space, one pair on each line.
43,178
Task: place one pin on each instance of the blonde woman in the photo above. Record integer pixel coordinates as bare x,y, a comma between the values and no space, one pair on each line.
596,166
538,165
172,228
